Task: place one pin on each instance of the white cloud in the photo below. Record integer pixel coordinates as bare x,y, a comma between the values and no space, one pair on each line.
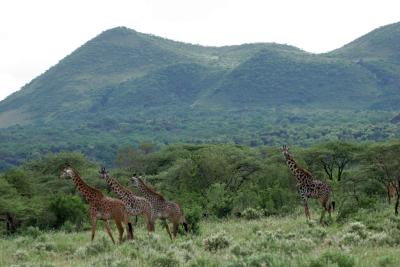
35,35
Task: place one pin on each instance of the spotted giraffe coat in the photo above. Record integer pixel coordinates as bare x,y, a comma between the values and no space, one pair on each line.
306,185
134,204
163,208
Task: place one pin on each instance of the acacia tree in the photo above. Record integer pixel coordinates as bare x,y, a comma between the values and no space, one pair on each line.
383,164
332,158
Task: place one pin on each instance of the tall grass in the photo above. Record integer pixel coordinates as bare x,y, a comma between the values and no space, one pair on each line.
372,239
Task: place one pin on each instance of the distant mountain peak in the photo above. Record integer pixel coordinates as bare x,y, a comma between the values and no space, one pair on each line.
383,42
163,72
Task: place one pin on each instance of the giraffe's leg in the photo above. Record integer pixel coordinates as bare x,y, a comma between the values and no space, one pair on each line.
167,228
149,222
120,230
322,215
128,226
175,229
94,222
109,230
306,210
330,209
150,226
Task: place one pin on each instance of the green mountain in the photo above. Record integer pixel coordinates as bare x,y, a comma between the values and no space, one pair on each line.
125,87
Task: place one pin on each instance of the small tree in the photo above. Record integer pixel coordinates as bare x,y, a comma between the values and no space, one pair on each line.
333,158
382,163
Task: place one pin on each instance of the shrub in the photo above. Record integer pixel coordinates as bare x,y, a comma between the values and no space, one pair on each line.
216,242
165,260
347,209
380,239
251,214
350,239
218,200
45,246
203,262
240,251
358,228
32,231
386,261
94,248
20,255
68,227
187,245
333,257
263,259
193,216
68,208
317,233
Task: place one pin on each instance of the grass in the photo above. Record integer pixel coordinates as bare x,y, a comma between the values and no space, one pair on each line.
268,241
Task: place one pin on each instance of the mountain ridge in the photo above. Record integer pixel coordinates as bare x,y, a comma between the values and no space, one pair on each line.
124,87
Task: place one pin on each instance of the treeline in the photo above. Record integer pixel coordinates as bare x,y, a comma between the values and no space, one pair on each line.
100,137
207,180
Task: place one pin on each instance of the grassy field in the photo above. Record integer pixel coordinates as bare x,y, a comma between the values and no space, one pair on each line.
370,239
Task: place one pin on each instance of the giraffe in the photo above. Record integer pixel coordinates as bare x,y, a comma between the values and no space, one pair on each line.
391,190
101,206
162,208
135,205
309,187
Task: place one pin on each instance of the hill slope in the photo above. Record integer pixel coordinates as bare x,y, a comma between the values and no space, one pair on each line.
131,67
124,87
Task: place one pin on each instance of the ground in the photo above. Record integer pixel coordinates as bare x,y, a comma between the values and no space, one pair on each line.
371,238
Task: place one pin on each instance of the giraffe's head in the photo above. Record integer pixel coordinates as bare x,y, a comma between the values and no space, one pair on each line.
67,173
135,180
285,152
103,173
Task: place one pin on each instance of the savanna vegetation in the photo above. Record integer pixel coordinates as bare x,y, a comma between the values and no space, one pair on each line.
205,125
240,201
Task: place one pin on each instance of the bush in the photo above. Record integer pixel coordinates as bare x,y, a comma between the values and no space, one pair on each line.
380,239
358,228
240,251
216,242
350,239
355,234
68,208
20,255
317,233
262,259
218,200
193,216
32,231
68,227
347,209
165,260
94,248
203,262
45,246
252,214
387,261
333,257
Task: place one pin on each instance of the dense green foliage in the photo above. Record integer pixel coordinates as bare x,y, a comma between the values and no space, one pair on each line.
101,139
125,87
208,180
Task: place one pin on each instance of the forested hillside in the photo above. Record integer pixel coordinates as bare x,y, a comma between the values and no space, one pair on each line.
126,88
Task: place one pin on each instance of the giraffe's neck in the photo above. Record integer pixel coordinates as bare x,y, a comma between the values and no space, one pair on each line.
91,194
143,190
117,187
300,174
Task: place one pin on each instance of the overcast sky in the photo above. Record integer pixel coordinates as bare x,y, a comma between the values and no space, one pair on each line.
35,35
